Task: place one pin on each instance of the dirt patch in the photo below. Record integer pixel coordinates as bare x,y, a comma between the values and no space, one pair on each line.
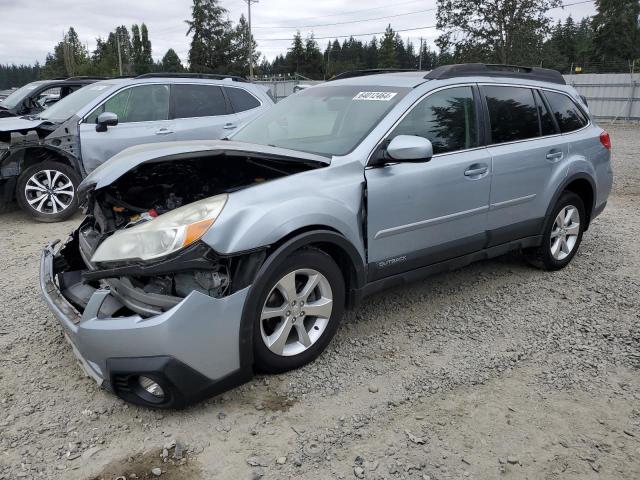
140,467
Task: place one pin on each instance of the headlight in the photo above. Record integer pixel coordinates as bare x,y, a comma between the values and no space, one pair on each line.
162,235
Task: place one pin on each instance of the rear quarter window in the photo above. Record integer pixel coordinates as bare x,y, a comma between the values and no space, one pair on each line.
241,100
567,113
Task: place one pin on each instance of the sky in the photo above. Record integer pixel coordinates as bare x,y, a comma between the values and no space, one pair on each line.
30,28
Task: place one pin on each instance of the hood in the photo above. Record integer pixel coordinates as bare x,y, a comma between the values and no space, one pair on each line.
128,159
13,124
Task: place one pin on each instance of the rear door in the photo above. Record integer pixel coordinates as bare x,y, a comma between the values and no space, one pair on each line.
201,112
528,155
143,117
426,212
244,104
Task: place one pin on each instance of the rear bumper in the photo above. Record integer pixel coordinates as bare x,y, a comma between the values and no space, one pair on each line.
192,349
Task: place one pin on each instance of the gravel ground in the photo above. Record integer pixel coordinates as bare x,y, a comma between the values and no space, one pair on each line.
494,371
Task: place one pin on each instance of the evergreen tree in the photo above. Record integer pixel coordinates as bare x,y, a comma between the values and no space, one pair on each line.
171,62
497,31
69,57
616,32
295,55
387,54
240,47
212,37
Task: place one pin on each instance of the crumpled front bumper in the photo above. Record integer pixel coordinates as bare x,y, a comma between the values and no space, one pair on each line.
193,348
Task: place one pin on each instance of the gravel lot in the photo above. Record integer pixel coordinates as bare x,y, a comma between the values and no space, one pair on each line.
494,371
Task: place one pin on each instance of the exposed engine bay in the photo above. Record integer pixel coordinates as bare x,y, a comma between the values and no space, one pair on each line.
152,189
143,193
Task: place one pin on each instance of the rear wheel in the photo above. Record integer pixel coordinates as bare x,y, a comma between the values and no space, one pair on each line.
562,236
299,311
47,191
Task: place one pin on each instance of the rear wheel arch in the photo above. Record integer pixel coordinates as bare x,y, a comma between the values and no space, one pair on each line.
584,189
582,185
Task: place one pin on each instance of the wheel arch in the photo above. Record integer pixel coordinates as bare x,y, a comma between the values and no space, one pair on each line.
583,185
28,156
322,237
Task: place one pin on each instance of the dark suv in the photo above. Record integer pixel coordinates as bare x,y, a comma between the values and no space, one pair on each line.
36,96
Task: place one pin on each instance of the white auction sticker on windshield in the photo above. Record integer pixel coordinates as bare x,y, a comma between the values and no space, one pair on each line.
376,96
98,87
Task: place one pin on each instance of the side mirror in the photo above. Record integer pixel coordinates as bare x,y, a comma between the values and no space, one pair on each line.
410,148
106,119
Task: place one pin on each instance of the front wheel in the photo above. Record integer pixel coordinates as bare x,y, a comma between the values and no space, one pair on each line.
562,236
47,191
300,308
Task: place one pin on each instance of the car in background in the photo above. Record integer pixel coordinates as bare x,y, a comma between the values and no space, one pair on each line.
44,157
34,97
201,262
5,93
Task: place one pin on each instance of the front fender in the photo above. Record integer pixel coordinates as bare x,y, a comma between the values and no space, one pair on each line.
264,214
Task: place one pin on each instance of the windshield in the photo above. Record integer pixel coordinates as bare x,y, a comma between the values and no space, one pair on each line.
69,105
19,95
327,120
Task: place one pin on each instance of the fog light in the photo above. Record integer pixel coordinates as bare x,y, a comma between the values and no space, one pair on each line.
151,387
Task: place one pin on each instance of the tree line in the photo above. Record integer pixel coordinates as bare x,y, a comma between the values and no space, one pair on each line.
492,31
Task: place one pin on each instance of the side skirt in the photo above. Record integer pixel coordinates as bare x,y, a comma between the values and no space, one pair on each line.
448,265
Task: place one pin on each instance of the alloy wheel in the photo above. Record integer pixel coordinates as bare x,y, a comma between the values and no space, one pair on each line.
296,312
565,231
49,191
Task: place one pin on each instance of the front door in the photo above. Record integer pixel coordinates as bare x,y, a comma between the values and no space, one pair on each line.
423,213
143,117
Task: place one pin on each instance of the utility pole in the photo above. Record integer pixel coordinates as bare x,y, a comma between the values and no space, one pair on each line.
250,39
119,54
420,56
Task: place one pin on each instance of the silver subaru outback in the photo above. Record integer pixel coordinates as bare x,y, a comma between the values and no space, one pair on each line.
201,262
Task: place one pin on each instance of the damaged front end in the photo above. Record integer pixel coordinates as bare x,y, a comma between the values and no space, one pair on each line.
27,139
136,282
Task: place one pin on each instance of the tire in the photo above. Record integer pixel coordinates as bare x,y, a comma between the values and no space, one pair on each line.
41,204
551,255
304,265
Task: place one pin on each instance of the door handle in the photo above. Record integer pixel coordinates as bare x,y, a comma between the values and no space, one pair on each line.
554,156
476,170
229,126
163,131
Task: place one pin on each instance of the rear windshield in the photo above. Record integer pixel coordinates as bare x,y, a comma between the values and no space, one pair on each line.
327,120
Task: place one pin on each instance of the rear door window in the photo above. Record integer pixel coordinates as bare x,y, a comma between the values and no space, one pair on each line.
241,100
192,101
567,113
446,118
513,113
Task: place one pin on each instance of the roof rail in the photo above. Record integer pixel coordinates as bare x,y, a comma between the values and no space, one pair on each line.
371,71
211,76
87,77
494,70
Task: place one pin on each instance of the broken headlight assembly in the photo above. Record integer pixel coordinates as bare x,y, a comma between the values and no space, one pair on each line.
162,235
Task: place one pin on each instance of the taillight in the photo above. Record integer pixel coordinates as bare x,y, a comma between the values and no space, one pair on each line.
605,140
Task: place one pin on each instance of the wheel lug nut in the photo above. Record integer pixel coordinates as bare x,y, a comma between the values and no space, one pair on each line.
288,313
302,314
293,303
